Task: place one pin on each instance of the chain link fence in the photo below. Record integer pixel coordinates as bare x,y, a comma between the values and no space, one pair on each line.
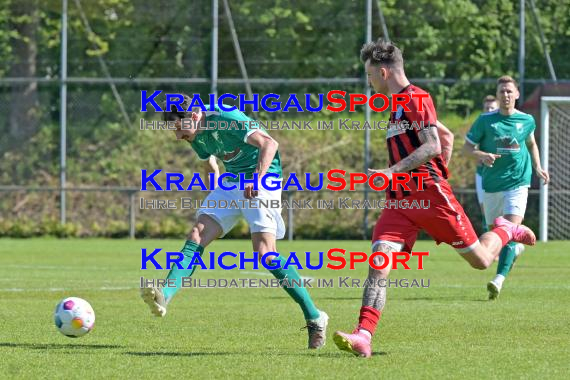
118,48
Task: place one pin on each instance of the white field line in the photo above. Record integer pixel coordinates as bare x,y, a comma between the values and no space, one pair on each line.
66,289
54,267
120,288
109,288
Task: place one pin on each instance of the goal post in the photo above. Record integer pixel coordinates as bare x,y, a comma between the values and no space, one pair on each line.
554,209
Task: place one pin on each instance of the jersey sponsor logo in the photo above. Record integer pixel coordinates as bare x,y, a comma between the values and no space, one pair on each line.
507,144
394,130
228,156
456,243
398,127
399,113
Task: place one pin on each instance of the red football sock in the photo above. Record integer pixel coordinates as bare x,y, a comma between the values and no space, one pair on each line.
504,235
368,319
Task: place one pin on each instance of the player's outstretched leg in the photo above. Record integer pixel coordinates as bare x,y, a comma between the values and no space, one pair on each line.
317,320
202,234
482,254
359,342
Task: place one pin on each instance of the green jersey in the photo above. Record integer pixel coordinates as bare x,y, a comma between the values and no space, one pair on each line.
504,135
224,135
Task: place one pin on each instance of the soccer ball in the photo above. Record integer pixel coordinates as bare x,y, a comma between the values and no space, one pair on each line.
74,317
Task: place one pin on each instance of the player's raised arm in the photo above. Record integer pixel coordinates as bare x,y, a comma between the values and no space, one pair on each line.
446,138
535,156
472,140
471,150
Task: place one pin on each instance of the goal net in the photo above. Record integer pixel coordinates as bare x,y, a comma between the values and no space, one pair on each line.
555,157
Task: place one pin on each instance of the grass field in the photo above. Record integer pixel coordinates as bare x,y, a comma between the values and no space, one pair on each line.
448,330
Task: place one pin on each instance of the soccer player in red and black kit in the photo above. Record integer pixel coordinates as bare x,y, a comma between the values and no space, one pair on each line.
416,150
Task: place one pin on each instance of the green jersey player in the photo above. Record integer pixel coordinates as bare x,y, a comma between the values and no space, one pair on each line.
508,149
245,149
489,105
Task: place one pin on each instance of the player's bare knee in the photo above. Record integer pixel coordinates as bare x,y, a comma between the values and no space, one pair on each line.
488,262
379,261
264,243
262,248
481,263
195,234
268,259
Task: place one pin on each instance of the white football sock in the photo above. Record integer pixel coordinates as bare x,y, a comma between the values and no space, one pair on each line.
365,332
499,279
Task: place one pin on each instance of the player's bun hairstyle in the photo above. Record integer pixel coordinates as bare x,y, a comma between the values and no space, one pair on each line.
507,79
382,52
174,114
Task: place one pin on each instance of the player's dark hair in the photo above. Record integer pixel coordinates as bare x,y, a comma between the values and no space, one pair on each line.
174,114
507,79
382,52
489,99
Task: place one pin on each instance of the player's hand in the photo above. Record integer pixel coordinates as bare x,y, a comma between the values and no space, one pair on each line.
488,159
544,175
249,193
379,181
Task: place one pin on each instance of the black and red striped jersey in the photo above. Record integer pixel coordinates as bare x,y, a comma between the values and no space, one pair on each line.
402,139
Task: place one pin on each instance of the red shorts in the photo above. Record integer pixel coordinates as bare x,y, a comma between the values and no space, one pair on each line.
444,220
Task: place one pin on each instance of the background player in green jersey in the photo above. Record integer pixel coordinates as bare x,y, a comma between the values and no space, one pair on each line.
244,148
507,148
489,105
